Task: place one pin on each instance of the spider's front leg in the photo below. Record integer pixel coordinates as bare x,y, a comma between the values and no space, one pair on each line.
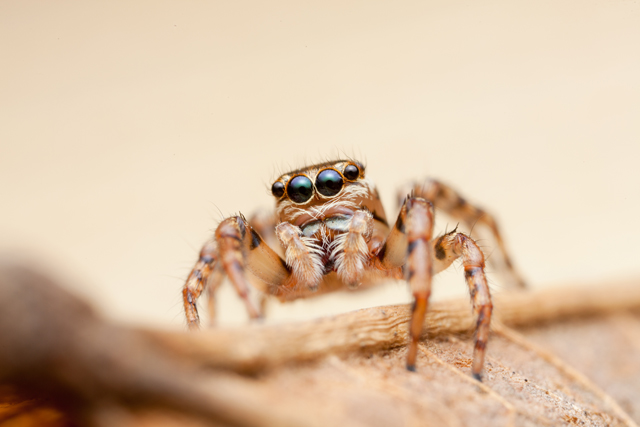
235,248
419,268
410,240
206,274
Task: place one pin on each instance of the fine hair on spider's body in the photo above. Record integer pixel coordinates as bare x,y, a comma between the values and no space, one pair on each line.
331,229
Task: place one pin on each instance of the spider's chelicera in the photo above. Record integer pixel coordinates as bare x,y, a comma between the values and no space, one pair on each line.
329,231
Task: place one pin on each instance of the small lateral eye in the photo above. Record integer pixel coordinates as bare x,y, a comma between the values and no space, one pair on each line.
300,189
351,172
277,189
329,182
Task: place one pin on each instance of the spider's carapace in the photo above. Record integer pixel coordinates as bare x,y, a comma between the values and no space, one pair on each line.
329,231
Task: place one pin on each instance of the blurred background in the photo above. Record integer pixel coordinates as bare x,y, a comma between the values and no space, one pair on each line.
129,129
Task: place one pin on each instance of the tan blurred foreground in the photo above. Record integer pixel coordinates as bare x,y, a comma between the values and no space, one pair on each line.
61,364
129,129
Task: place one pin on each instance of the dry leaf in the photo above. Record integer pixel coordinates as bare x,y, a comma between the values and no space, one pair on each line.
575,359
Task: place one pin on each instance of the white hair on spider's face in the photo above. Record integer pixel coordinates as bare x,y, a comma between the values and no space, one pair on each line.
349,198
317,191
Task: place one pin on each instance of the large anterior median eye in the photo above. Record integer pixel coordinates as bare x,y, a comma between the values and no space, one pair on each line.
329,182
300,189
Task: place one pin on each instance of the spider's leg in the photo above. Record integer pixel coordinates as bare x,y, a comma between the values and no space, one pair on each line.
410,240
454,245
232,238
205,274
350,251
449,201
215,279
236,249
264,222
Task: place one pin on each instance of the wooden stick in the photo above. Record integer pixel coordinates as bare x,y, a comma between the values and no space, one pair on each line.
253,347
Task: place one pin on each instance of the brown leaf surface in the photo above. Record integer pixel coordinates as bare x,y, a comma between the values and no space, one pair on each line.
572,361
521,387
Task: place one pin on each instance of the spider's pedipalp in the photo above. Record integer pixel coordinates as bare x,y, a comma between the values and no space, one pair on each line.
349,251
302,255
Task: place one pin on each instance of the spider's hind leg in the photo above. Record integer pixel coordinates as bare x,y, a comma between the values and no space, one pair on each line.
449,201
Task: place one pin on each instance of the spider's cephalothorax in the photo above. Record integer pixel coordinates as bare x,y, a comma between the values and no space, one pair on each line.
329,231
319,202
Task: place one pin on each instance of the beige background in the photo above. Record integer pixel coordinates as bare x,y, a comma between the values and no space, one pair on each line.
128,129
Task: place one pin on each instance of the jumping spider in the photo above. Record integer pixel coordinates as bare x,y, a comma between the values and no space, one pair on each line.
333,233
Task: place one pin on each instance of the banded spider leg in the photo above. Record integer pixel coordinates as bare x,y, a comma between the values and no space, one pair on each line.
449,201
412,234
333,234
238,251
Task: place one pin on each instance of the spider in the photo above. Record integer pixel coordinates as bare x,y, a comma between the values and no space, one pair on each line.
333,232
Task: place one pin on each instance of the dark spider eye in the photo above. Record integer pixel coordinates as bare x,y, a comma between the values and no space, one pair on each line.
300,189
277,189
351,172
329,182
